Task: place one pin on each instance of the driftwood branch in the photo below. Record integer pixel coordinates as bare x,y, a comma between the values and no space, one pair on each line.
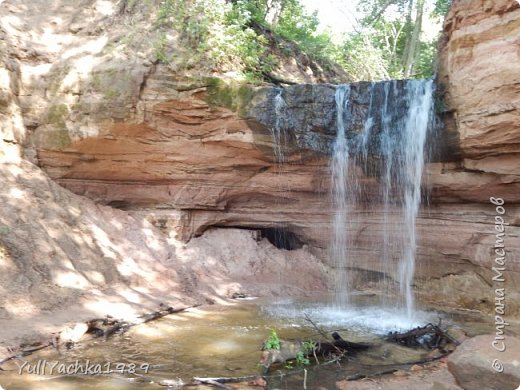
106,327
212,382
97,327
24,352
429,336
318,329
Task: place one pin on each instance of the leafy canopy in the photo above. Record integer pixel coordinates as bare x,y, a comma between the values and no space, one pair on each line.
392,40
389,40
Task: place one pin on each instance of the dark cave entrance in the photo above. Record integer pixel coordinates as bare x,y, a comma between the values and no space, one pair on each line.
281,238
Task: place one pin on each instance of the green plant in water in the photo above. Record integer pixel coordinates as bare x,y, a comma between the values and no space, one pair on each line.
309,346
302,359
273,341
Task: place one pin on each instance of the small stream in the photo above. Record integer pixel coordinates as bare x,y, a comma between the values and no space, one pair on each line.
226,341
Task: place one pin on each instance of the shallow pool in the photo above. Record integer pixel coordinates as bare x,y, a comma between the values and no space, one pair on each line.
226,341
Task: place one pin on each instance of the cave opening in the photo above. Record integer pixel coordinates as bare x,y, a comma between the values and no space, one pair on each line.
120,204
281,238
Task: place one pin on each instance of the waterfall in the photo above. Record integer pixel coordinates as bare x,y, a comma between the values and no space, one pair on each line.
339,174
278,133
279,140
420,97
387,150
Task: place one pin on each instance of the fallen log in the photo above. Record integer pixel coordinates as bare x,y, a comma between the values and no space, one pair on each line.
106,327
24,352
349,345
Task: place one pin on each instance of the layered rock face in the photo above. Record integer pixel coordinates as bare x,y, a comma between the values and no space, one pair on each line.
478,68
478,73
107,122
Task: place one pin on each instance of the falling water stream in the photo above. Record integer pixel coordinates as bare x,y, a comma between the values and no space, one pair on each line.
339,172
279,140
390,148
278,133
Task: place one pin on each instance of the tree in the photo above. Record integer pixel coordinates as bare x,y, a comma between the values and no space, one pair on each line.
392,35
411,53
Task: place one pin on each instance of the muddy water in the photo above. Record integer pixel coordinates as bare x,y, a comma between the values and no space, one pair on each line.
225,341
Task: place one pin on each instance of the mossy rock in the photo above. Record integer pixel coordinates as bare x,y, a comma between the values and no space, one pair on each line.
56,78
55,134
53,138
57,114
113,84
235,95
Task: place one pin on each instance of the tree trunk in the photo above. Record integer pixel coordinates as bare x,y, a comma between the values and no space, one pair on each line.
408,29
411,54
273,11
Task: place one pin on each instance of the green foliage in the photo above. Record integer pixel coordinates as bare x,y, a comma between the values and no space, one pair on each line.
296,25
235,95
160,48
226,35
301,359
390,41
57,115
273,341
221,33
441,8
215,31
361,59
425,65
290,20
309,346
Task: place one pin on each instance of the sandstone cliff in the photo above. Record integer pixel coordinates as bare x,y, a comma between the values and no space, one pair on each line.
479,78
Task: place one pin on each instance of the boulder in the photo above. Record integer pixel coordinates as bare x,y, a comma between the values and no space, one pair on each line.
477,365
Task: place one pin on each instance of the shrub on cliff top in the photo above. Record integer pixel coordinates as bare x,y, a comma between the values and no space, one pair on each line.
216,32
222,35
